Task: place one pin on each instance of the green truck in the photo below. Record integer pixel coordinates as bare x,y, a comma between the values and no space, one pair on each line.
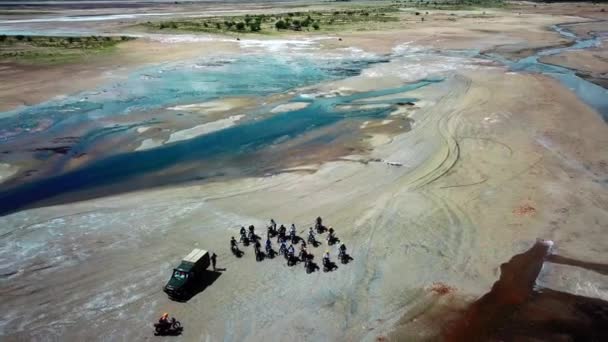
188,274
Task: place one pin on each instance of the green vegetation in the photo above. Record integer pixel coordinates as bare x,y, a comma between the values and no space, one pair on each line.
356,17
293,21
54,50
450,4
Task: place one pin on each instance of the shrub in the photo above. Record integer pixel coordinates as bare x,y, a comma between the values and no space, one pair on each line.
280,25
240,26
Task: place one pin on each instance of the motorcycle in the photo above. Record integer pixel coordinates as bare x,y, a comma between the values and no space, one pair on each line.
272,232
270,252
293,237
332,239
291,259
244,240
311,240
282,250
235,250
170,327
344,258
328,266
310,266
258,254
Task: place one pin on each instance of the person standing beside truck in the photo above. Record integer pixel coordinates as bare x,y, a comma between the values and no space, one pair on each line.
213,260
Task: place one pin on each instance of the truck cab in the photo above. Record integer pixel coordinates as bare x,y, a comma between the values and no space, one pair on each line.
187,274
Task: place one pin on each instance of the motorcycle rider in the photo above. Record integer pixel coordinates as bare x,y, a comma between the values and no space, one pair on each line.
292,231
283,248
326,258
330,236
233,243
268,245
342,250
273,224
311,235
243,231
303,252
164,319
291,250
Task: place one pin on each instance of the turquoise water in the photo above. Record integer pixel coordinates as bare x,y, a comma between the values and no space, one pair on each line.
174,84
590,93
153,89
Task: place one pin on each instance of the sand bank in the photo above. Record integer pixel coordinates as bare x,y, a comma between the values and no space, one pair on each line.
7,171
204,129
289,107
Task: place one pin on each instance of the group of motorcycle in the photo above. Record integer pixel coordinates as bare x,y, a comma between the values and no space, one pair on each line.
248,237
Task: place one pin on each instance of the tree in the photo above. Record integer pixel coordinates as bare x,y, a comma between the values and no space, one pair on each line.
280,25
240,26
315,26
255,27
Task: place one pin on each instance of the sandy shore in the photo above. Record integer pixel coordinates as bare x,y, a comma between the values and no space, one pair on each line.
469,163
490,160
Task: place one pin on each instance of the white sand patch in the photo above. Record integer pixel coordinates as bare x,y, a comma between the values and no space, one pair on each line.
7,171
149,144
386,122
141,130
215,106
364,106
281,45
204,129
289,107
379,139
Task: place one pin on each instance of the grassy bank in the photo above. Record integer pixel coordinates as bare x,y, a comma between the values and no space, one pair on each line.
343,17
326,20
54,50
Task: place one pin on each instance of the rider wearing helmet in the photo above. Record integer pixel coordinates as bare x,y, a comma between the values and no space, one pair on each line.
330,236
326,257
341,250
233,242
291,250
164,319
243,231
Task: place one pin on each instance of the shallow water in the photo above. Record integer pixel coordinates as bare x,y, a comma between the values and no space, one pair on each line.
590,93
155,88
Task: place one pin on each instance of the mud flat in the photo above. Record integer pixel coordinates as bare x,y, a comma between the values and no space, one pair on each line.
589,64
